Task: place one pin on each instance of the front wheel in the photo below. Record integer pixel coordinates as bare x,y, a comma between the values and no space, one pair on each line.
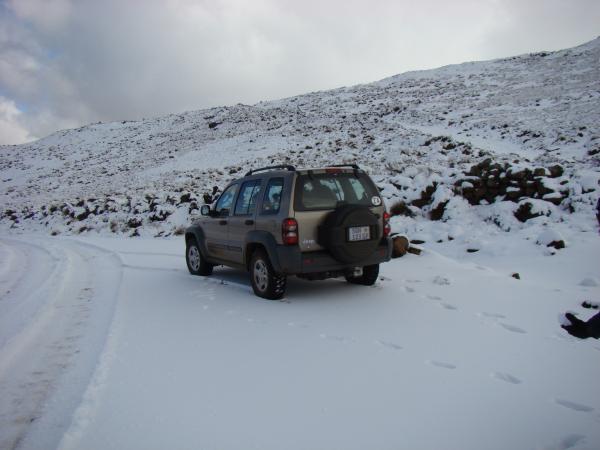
266,283
368,278
196,263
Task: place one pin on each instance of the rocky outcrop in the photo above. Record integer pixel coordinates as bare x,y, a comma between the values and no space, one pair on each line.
490,182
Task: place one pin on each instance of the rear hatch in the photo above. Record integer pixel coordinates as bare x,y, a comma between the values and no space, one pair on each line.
320,191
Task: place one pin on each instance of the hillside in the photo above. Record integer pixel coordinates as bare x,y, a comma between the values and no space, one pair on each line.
410,131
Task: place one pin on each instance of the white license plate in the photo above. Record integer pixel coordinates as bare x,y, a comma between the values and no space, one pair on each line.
359,233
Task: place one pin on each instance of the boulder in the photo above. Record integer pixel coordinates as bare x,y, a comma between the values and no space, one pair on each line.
400,246
523,212
556,171
400,208
438,212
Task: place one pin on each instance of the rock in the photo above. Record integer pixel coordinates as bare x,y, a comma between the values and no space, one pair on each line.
400,246
516,275
159,216
414,250
438,212
557,244
551,238
556,171
426,196
472,250
523,213
590,305
401,209
134,222
185,198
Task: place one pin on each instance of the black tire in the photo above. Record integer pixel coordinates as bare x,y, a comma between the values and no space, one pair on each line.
266,283
368,278
332,233
196,263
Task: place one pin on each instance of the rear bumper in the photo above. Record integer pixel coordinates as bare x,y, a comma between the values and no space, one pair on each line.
291,261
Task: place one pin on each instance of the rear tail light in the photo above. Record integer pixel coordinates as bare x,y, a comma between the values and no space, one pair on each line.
386,224
289,231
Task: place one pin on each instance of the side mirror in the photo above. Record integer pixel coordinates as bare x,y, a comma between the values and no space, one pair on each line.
205,210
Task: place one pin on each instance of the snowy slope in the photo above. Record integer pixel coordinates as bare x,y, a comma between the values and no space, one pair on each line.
540,109
492,167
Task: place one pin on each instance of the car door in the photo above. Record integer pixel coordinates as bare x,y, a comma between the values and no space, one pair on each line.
216,226
242,220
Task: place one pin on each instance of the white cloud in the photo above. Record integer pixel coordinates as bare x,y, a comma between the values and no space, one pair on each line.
49,15
11,130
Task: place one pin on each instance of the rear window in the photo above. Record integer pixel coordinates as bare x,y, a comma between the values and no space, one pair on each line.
328,190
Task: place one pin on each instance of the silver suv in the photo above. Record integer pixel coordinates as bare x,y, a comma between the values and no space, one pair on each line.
279,220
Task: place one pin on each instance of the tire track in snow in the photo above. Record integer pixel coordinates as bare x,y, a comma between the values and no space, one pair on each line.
43,372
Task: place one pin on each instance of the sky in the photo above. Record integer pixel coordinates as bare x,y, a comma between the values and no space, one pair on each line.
67,63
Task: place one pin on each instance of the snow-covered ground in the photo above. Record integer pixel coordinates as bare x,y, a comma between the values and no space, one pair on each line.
114,345
492,167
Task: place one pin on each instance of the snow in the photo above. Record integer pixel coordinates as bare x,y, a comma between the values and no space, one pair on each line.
107,341
549,236
441,353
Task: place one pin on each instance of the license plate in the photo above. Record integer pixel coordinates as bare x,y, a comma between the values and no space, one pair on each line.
359,233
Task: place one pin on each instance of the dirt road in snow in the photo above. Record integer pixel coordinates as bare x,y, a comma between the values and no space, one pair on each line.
110,343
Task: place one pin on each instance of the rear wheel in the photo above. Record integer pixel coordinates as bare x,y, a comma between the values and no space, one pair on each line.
196,263
368,278
266,283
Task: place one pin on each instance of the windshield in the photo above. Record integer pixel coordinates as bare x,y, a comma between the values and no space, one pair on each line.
328,190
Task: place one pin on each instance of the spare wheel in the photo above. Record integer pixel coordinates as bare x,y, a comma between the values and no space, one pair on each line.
344,233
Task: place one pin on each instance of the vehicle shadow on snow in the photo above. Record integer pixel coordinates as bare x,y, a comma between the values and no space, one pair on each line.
298,289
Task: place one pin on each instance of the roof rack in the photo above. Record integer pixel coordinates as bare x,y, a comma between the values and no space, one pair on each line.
282,166
354,166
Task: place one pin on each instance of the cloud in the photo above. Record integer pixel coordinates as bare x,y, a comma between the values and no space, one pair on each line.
536,25
11,130
84,61
48,15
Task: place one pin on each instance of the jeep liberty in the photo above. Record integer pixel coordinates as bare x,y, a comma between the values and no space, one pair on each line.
278,221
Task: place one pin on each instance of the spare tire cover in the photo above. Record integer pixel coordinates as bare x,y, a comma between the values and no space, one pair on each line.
333,233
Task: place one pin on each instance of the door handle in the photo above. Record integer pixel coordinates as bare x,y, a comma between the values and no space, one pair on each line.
222,222
249,222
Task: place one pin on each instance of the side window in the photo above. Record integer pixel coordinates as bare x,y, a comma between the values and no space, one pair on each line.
359,190
226,201
272,198
246,202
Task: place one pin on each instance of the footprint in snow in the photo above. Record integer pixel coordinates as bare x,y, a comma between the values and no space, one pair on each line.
441,281
332,337
491,315
507,377
434,297
443,365
390,345
569,441
513,328
574,406
449,306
